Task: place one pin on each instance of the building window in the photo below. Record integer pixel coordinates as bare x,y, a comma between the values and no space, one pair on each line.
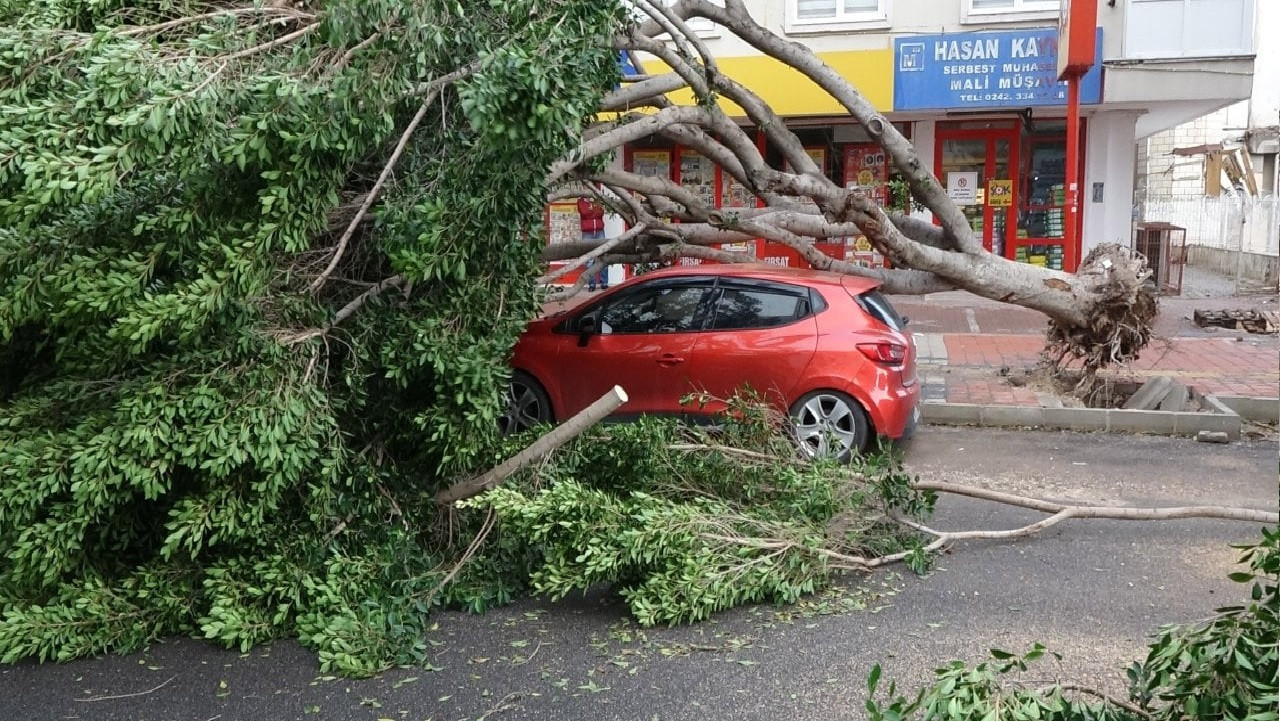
702,26
847,14
1012,6
1188,28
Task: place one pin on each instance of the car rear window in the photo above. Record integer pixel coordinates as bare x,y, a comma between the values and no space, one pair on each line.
879,307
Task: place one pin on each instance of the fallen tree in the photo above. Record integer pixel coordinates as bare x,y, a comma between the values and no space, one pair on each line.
260,268
1099,316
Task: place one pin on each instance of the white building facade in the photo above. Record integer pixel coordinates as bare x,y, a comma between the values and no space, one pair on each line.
973,84
1216,176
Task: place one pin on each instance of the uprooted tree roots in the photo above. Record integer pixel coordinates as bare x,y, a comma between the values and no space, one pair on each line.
1117,326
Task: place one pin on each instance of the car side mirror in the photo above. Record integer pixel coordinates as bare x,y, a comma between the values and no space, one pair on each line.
905,321
587,327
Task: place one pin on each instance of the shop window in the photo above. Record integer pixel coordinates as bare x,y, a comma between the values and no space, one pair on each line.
822,15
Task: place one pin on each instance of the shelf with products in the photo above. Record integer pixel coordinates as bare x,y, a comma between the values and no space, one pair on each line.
1044,252
1042,200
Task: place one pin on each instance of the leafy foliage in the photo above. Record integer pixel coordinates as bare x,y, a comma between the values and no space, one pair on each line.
192,437
684,524
1225,667
1222,668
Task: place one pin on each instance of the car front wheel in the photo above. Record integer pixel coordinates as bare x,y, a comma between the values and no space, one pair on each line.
830,425
527,405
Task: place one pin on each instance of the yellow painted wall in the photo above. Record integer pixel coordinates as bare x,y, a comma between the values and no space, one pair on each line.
789,92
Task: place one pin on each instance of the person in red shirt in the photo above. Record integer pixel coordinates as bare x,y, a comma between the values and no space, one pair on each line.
591,219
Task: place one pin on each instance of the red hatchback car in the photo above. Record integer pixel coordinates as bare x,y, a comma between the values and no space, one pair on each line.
827,349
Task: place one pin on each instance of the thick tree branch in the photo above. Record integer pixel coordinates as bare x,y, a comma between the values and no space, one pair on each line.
629,96
555,438
599,250
924,186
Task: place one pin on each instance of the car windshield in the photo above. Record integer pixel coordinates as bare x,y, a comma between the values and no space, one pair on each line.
879,307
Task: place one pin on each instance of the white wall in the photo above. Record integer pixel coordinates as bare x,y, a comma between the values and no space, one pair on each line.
1228,222
1109,159
905,17
1264,107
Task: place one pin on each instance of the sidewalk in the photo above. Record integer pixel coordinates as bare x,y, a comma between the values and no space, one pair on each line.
965,341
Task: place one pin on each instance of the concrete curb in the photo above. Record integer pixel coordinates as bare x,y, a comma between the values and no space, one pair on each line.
1263,410
1162,423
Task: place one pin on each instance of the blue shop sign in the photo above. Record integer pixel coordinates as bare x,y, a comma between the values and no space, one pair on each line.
1014,68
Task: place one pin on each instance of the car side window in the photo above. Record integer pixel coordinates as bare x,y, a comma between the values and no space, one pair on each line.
661,309
742,308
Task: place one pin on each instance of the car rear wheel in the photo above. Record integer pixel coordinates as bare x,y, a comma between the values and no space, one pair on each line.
527,404
830,425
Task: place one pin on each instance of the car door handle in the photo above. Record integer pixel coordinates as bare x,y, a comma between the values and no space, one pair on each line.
668,359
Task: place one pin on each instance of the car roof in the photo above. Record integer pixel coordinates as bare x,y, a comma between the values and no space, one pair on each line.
768,271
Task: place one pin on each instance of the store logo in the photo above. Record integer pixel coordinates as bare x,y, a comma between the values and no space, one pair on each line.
910,57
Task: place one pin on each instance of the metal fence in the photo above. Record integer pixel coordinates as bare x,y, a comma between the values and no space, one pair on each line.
1232,236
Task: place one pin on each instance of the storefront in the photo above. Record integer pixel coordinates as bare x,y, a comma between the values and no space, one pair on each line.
844,151
995,109
1008,175
986,108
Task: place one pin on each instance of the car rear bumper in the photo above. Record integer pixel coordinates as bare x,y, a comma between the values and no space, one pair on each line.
899,412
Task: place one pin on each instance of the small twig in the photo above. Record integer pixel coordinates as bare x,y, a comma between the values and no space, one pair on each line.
722,449
433,86
535,653
1127,706
395,507
501,705
355,49
282,40
490,520
311,365
342,525
347,310
209,80
127,695
159,27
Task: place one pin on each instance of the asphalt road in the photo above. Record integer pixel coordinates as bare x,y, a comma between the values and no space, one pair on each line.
1090,590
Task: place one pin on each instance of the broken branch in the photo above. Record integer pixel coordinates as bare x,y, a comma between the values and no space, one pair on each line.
557,437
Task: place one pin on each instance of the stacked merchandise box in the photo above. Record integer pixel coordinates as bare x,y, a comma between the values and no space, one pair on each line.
1055,257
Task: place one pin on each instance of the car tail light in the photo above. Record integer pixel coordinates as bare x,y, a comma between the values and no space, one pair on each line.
886,353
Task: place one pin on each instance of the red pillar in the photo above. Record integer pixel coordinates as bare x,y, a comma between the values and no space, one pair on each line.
1071,224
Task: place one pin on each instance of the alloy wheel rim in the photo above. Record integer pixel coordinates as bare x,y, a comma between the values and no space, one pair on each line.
826,426
524,409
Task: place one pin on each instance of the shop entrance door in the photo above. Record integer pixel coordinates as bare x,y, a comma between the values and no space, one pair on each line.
976,165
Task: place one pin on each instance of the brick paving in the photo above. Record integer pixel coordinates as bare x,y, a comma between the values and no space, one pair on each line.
960,365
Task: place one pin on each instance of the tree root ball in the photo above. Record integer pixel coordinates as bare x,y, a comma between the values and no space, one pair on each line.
1117,324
